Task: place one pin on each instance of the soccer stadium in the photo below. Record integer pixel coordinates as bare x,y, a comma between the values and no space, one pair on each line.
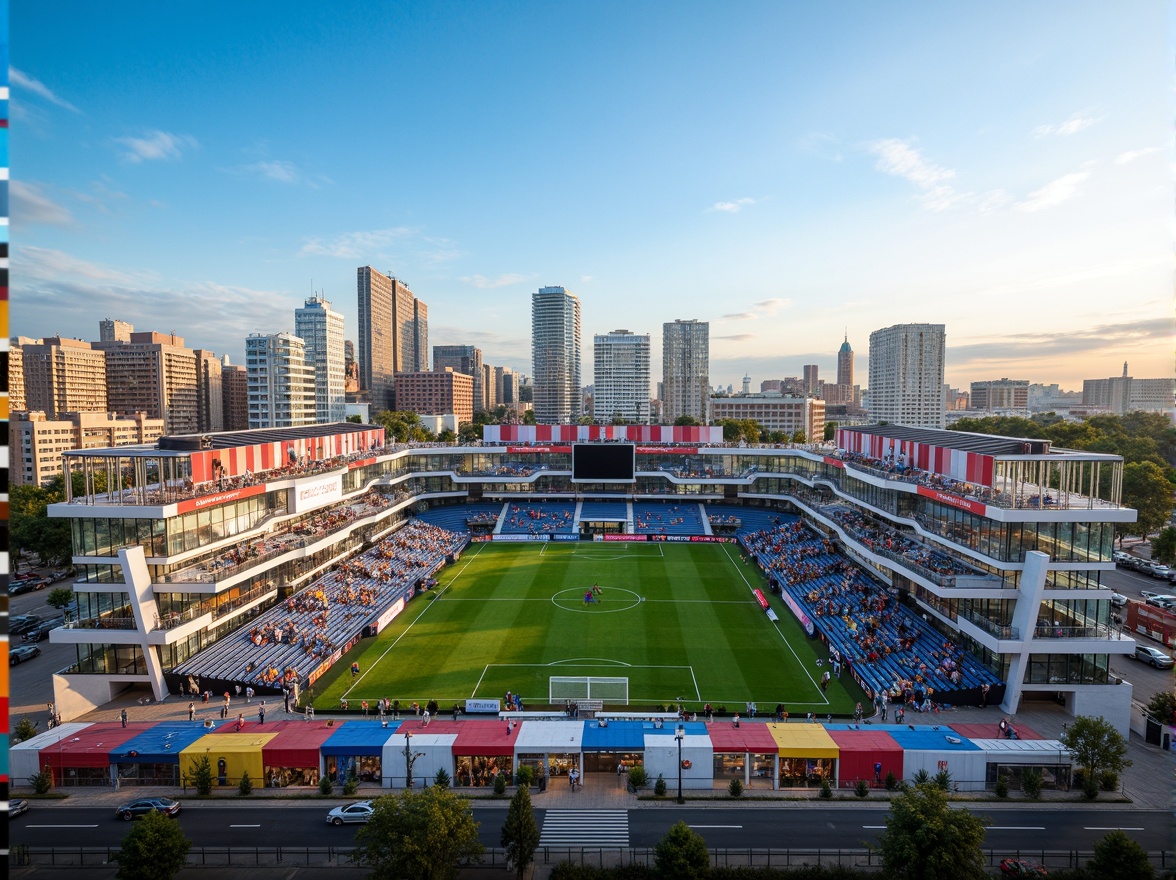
632,573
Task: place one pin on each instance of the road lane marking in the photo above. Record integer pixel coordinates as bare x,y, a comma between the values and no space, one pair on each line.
714,826
873,827
1115,828
61,826
1015,828
244,826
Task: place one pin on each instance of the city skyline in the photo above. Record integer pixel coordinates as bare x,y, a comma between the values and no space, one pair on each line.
853,171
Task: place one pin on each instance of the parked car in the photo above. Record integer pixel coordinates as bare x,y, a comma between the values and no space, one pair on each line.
1012,867
358,812
16,806
1120,557
1153,656
1165,602
1118,600
27,585
143,806
1160,571
41,630
22,623
21,653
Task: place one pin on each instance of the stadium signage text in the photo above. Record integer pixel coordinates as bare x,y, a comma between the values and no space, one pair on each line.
621,537
800,615
954,501
318,493
520,538
219,498
388,616
490,706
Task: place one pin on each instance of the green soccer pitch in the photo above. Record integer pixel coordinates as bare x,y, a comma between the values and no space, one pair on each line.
678,620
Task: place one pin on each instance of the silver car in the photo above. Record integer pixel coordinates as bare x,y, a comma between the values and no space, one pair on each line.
1153,656
357,813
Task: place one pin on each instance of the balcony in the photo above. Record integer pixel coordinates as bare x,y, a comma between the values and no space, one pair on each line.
102,622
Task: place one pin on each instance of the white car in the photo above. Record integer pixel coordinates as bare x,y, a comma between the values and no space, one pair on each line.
1118,600
357,813
1165,602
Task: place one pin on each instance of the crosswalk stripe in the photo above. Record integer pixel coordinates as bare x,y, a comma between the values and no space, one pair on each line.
585,828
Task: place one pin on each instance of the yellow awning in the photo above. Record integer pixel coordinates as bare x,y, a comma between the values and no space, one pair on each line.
803,741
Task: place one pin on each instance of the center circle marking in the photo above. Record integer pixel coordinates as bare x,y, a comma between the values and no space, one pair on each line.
627,599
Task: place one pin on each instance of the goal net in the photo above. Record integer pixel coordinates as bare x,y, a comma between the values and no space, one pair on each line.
562,688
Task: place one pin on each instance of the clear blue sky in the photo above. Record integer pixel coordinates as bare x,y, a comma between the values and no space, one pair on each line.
787,171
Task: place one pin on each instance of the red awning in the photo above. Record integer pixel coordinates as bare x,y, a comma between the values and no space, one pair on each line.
96,746
484,738
296,745
748,737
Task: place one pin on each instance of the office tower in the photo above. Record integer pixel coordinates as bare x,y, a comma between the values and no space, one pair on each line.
40,441
845,364
555,355
506,386
465,359
392,322
488,387
1000,394
686,370
811,382
64,375
114,330
1124,394
321,330
153,373
746,385
235,396
210,401
439,392
621,377
280,382
775,412
906,375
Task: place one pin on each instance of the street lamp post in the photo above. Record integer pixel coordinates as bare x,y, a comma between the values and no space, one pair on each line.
408,759
679,735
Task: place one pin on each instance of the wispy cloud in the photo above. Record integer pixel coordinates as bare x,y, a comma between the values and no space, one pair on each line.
31,207
761,309
732,207
155,146
484,283
1053,193
1046,347
277,171
21,80
900,159
1132,155
1071,126
819,144
366,245
736,337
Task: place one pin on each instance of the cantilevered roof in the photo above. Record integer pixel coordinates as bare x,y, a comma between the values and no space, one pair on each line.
231,439
985,444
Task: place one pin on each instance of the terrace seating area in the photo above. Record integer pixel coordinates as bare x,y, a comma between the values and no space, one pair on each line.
292,639
545,518
753,519
455,518
595,511
894,544
667,518
889,647
506,469
691,466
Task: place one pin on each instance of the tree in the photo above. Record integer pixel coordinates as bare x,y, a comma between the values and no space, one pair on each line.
1162,707
520,834
1163,546
200,772
469,433
528,417
446,436
26,728
1097,747
1118,857
927,840
1147,489
59,597
355,420
830,431
686,421
421,834
156,849
681,853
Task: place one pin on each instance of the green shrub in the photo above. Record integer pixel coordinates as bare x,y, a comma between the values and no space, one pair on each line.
245,786
26,728
1002,786
921,777
638,777
826,789
442,779
682,853
524,776
735,789
862,788
350,786
500,784
42,782
942,780
1031,783
1108,780
325,786
1090,788
201,775
891,781
659,787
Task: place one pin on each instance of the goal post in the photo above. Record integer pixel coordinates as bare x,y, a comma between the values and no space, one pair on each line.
561,688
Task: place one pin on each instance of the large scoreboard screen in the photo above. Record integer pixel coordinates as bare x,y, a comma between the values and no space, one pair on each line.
604,462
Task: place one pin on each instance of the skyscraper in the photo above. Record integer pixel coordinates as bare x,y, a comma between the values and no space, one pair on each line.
906,375
465,359
321,329
392,323
210,399
63,375
280,382
555,355
845,364
686,370
153,373
811,381
621,377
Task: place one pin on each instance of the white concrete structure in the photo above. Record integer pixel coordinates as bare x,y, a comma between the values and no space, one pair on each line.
621,377
321,329
906,375
281,384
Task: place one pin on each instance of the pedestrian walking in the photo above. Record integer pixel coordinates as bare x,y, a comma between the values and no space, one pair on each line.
224,710
191,711
123,717
261,713
620,774
249,694
240,721
309,716
238,689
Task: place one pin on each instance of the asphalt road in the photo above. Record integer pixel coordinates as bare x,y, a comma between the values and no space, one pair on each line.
799,825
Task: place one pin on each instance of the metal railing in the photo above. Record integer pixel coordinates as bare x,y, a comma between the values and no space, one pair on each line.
1000,630
101,623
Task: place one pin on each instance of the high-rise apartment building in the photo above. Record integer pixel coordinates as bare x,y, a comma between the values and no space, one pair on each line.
621,377
437,392
685,370
64,375
321,330
906,375
555,355
1000,394
114,330
775,412
280,382
16,380
153,373
235,396
38,441
467,360
210,397
392,323
811,380
1124,394
506,386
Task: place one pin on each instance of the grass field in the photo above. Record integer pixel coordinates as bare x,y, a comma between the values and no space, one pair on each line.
678,620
